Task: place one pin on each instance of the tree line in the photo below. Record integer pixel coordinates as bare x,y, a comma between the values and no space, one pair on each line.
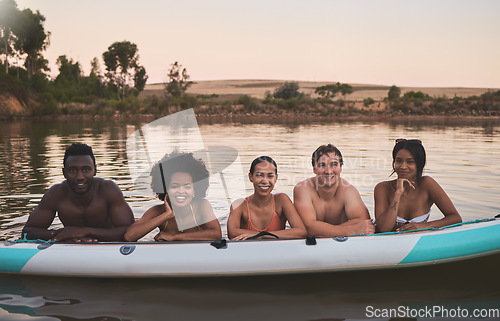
116,86
23,40
23,36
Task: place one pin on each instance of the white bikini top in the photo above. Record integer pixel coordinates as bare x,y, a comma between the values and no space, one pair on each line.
418,219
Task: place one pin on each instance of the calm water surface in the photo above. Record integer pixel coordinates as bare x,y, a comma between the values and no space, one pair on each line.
462,157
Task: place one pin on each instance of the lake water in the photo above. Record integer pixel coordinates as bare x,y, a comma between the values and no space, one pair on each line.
462,156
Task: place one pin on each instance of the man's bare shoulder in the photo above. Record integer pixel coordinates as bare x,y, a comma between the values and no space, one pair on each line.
104,182
57,190
53,197
106,186
347,187
345,184
305,185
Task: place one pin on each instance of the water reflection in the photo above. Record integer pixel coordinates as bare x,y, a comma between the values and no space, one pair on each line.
462,156
343,295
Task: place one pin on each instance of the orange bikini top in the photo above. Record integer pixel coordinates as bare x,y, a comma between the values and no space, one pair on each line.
275,224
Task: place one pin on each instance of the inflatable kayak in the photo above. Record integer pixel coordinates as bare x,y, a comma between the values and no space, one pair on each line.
252,257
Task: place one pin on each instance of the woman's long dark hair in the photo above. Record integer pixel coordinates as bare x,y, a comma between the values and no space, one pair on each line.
415,147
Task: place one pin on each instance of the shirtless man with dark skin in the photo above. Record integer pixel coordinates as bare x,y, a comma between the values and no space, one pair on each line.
90,208
328,205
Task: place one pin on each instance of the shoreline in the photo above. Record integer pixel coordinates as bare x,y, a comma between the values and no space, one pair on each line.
274,118
245,99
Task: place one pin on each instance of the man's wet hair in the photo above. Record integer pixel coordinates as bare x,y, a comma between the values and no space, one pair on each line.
185,163
263,159
76,149
326,149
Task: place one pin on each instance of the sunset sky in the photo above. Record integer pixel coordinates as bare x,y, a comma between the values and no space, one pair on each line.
427,43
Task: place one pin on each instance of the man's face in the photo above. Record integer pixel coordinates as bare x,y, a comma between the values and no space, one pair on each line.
328,169
79,173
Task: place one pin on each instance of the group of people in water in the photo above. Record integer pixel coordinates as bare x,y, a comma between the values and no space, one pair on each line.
326,205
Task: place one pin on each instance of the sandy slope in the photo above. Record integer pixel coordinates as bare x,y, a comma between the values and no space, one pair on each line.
258,89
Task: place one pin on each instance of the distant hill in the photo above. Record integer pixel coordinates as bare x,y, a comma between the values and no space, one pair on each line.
258,88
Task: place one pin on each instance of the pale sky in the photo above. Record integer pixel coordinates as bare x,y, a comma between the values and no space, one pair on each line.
425,43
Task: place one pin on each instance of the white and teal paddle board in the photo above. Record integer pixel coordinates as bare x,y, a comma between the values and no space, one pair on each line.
253,257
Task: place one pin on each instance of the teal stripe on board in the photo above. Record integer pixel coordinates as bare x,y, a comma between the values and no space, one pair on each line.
454,245
13,260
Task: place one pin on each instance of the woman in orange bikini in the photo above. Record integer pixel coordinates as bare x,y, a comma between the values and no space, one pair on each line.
186,182
405,203
262,214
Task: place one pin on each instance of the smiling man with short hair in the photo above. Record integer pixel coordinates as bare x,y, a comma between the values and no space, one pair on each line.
328,205
90,208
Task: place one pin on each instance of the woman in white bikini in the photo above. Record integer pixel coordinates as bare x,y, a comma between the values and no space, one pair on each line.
263,214
185,180
405,203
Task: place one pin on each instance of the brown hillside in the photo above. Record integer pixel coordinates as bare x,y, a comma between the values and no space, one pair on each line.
10,106
258,89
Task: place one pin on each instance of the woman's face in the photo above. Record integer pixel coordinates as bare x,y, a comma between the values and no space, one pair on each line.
263,178
405,165
181,189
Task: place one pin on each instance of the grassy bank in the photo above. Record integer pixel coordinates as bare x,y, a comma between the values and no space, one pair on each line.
239,98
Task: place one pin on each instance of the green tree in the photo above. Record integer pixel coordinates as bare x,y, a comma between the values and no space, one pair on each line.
32,40
178,80
344,89
140,78
287,90
327,91
8,17
394,93
66,86
94,84
368,101
122,67
412,95
69,71
331,90
95,67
